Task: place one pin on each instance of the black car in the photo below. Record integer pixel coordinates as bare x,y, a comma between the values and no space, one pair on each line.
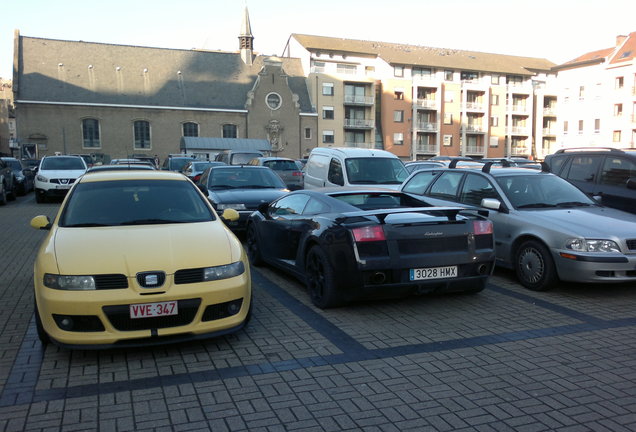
347,244
22,175
242,188
194,169
606,173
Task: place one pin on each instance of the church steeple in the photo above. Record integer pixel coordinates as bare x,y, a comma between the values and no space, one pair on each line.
246,40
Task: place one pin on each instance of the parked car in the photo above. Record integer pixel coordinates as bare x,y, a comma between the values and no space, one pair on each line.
546,229
237,157
286,168
133,258
195,168
88,159
122,167
132,162
176,162
242,188
347,166
413,166
56,175
513,162
7,183
23,176
606,173
348,244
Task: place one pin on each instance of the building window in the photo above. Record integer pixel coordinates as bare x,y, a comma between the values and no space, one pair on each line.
494,121
327,112
582,92
495,100
422,73
449,96
398,71
448,75
398,138
307,133
597,125
398,116
580,127
399,95
616,136
273,101
494,80
319,66
327,89
230,131
348,69
142,134
448,140
190,129
90,133
618,84
565,127
369,70
327,137
448,118
618,110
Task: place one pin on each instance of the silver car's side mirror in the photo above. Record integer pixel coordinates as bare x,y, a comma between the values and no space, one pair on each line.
492,204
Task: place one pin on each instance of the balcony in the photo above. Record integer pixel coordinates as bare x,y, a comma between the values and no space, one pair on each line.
426,127
359,100
358,144
474,128
547,111
475,106
426,148
426,103
519,150
358,124
519,109
475,150
520,130
549,132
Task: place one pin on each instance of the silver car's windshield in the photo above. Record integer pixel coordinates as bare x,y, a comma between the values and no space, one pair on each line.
134,202
542,191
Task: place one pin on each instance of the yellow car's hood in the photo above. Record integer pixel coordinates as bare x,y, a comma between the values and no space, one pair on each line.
132,249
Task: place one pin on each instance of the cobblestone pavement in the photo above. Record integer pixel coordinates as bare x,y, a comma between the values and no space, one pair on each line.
504,359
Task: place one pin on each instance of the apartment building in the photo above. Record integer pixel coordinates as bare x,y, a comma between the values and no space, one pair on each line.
597,98
419,102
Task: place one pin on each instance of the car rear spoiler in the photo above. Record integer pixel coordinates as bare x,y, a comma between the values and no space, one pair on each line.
381,214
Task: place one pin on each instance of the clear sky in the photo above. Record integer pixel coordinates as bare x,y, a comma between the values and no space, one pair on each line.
558,30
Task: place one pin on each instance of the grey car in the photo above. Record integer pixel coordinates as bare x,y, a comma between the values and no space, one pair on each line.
546,229
286,168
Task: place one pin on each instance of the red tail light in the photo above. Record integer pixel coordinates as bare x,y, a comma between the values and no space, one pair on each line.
368,233
482,227
297,173
196,178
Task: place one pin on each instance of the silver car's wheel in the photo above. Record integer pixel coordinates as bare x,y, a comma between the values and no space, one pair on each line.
534,266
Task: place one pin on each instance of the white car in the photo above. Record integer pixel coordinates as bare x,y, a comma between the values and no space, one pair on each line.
56,175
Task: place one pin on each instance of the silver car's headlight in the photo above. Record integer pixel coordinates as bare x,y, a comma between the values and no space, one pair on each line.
224,271
587,245
42,178
74,283
235,206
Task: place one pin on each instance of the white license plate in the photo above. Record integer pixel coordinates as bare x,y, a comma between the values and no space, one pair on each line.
63,187
148,310
433,273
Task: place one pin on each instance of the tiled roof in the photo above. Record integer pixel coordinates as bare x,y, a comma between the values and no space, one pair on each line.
627,52
416,55
589,57
86,72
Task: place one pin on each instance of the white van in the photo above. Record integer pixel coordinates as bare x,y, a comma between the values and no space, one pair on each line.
237,157
348,166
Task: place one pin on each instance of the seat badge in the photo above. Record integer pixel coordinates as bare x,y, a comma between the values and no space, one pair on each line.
152,279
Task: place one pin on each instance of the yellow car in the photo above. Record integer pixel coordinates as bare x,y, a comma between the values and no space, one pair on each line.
137,258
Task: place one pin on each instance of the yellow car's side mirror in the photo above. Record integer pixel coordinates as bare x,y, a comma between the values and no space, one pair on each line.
230,215
41,222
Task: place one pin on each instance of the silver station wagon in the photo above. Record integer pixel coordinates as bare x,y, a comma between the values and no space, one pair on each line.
546,229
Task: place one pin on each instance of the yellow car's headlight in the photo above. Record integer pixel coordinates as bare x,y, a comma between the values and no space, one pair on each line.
224,271
63,282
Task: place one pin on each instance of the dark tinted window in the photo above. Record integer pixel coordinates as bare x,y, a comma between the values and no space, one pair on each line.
375,170
584,168
281,165
290,205
446,185
335,175
134,202
419,182
475,189
616,171
244,178
63,163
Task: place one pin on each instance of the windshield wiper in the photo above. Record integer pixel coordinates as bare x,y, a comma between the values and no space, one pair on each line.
255,187
536,205
150,222
223,187
573,204
86,225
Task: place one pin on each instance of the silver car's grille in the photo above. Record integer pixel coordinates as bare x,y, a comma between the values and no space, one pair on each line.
631,244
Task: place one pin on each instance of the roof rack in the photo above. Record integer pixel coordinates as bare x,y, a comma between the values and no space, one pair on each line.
612,149
487,166
545,167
